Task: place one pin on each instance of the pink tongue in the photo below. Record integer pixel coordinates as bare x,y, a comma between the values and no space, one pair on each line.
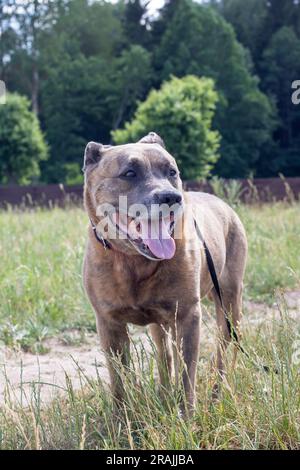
159,241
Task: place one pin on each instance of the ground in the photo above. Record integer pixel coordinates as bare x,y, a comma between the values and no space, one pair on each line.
53,387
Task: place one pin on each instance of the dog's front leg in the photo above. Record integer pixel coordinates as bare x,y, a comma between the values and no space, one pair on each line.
115,344
188,338
164,356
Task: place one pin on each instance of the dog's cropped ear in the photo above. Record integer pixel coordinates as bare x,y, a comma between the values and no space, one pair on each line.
92,154
152,138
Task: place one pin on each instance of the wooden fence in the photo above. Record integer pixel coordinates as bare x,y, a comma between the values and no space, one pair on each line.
256,190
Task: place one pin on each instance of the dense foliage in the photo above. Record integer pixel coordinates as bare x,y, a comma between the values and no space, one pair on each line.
22,144
86,66
181,111
270,31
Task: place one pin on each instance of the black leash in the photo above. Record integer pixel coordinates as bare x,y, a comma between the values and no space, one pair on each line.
214,278
232,332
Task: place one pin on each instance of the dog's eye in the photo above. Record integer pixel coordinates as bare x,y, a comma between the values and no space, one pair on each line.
129,174
173,172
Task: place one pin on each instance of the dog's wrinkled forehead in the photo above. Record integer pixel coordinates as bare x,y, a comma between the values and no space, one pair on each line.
149,151
139,153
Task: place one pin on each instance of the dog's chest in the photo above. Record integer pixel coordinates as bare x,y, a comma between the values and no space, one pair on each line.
142,296
143,315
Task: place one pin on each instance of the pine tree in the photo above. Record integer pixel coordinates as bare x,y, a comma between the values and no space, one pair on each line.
135,23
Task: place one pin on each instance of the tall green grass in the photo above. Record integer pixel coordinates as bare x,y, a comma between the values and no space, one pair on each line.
273,233
255,410
41,258
41,294
40,274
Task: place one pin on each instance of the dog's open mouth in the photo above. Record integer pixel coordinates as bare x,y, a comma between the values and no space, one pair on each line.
152,238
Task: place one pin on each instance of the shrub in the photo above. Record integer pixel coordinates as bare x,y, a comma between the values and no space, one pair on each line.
22,145
181,112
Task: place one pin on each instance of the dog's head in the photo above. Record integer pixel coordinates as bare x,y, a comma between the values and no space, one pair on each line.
136,190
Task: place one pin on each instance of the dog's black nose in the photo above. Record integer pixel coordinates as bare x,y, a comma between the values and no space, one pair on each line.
168,197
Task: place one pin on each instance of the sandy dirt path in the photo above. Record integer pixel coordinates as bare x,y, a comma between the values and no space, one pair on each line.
21,369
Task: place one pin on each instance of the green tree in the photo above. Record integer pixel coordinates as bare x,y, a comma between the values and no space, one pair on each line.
270,29
281,13
199,41
281,66
135,22
8,37
249,19
132,81
78,106
181,112
92,82
22,145
159,26
30,21
91,29
256,21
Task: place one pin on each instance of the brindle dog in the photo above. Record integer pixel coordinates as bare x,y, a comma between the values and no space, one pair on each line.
158,283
